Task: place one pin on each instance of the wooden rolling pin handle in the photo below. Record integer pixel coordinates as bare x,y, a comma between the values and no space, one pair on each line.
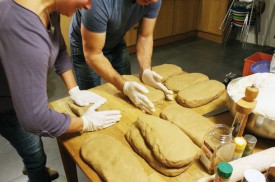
251,93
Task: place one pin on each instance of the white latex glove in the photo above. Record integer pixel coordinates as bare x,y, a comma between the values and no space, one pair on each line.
135,92
96,120
153,79
84,97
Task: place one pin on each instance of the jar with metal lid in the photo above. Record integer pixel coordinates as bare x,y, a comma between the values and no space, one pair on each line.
217,147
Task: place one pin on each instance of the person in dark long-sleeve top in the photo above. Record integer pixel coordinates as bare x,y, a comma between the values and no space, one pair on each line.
30,43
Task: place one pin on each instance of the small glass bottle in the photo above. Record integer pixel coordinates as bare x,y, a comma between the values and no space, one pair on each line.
224,171
217,147
238,120
251,142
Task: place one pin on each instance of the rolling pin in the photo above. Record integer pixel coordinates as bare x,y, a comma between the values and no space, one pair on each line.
260,161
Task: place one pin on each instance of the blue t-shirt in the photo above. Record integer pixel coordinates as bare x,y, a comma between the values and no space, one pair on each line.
115,17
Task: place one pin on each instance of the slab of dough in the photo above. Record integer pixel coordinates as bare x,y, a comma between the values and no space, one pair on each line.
184,80
192,123
78,110
169,144
111,160
137,142
156,96
167,70
200,93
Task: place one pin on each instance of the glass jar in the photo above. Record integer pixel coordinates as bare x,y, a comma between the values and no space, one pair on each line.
217,147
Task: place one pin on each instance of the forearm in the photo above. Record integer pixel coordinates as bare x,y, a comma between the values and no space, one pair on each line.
104,69
76,125
68,79
144,51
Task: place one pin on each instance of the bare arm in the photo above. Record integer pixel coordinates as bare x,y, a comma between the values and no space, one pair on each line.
145,43
68,79
76,125
93,44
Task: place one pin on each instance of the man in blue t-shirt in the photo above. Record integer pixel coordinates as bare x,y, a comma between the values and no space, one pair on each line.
98,48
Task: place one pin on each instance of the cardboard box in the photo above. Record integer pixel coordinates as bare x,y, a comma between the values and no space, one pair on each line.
258,56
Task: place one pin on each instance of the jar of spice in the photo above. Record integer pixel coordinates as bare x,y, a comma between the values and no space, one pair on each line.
224,171
217,147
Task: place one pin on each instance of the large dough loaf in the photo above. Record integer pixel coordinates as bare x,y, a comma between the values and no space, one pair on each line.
167,70
200,93
171,146
192,123
111,160
183,80
137,142
155,96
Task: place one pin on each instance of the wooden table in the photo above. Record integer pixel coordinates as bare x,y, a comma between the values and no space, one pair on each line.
70,144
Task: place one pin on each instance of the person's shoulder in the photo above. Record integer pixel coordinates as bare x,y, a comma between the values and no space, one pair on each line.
4,9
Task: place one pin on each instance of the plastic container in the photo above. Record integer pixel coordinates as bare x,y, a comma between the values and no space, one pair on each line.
224,171
240,146
260,67
272,64
258,56
253,175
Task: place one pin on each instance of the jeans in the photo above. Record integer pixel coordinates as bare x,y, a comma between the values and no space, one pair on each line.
86,78
27,145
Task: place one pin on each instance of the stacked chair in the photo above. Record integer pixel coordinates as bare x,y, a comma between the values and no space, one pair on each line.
241,15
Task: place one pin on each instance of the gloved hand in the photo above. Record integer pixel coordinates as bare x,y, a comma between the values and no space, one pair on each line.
153,79
135,92
84,97
96,120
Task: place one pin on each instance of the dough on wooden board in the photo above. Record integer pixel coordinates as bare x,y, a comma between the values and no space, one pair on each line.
189,121
111,160
167,70
155,96
78,110
169,144
137,142
200,93
183,80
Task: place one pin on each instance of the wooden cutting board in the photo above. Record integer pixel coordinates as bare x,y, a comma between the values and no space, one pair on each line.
117,100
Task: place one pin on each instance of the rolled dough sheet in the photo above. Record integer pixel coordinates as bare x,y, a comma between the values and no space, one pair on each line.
167,70
169,144
184,80
111,160
189,121
137,142
200,93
